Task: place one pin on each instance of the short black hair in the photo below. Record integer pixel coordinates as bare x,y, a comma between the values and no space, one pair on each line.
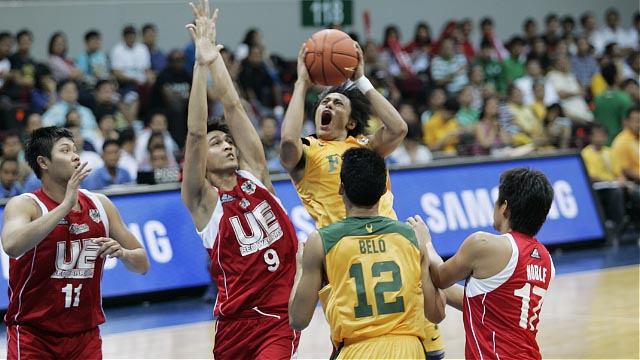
91,34
110,142
153,112
360,105
127,134
486,21
40,144
24,32
598,126
363,176
6,160
149,26
550,17
452,105
129,29
5,35
64,82
217,124
633,109
529,195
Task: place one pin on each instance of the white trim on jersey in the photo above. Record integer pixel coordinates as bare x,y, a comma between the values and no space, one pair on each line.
98,204
250,176
210,232
40,203
482,286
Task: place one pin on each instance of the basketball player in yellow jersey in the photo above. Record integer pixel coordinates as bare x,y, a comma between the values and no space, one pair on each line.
341,115
378,288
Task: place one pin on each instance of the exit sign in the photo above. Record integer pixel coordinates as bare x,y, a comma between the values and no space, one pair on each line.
318,13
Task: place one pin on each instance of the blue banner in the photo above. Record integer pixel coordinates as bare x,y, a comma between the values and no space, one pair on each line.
455,201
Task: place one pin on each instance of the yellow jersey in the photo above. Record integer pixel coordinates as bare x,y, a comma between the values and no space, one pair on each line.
318,188
374,280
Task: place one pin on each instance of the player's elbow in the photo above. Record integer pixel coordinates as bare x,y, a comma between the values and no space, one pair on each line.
12,250
297,323
435,313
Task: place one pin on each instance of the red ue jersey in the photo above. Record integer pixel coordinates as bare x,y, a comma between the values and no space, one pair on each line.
253,245
501,313
55,287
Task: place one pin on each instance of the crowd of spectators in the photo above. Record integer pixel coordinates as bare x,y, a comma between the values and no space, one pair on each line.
462,91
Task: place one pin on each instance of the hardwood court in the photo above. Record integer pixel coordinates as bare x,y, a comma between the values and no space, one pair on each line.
586,315
591,314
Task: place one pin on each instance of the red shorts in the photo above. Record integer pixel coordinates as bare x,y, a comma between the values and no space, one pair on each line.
266,337
24,342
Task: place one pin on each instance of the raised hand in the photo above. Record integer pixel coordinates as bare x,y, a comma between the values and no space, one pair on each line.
360,68
303,74
420,228
73,185
109,247
203,33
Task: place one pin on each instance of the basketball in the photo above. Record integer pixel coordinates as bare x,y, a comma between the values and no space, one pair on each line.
331,57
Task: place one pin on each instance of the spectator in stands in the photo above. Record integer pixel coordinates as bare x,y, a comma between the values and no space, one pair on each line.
268,131
531,129
251,37
396,60
571,93
106,99
256,83
630,86
539,51
608,187
557,127
68,100
92,158
568,33
33,121
9,185
611,32
463,35
23,69
534,75
513,67
551,34
612,106
131,63
466,116
411,151
62,68
437,97
109,174
156,122
589,24
421,38
6,45
155,139
43,94
449,69
171,93
106,129
12,149
583,63
634,31
378,73
157,57
442,131
624,150
631,67
127,140
73,119
487,33
491,68
538,106
529,33
476,82
490,137
93,61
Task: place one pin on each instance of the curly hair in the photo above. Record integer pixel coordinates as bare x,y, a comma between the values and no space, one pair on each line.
360,105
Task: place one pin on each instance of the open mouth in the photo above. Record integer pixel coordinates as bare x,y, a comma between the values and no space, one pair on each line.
326,117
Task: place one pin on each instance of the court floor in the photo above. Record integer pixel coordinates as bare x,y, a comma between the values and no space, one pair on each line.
591,311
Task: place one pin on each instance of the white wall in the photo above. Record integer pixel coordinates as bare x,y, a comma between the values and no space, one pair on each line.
279,20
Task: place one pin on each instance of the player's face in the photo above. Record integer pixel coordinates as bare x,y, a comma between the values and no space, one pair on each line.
222,152
333,117
64,159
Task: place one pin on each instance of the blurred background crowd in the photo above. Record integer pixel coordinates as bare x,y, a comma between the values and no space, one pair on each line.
569,82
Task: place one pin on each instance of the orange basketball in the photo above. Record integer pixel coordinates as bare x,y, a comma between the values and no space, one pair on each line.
331,57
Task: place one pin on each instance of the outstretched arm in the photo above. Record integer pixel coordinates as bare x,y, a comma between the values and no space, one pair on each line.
307,283
197,195
434,298
389,136
291,151
246,137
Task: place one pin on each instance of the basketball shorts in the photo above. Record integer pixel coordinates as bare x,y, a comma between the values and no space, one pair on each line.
383,347
24,342
265,337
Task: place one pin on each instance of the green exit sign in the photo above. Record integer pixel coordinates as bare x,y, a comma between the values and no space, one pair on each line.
325,12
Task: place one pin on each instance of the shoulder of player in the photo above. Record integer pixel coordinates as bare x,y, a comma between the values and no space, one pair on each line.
481,241
22,204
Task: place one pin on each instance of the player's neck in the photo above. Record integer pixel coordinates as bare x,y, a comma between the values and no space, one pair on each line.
353,210
223,180
55,190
